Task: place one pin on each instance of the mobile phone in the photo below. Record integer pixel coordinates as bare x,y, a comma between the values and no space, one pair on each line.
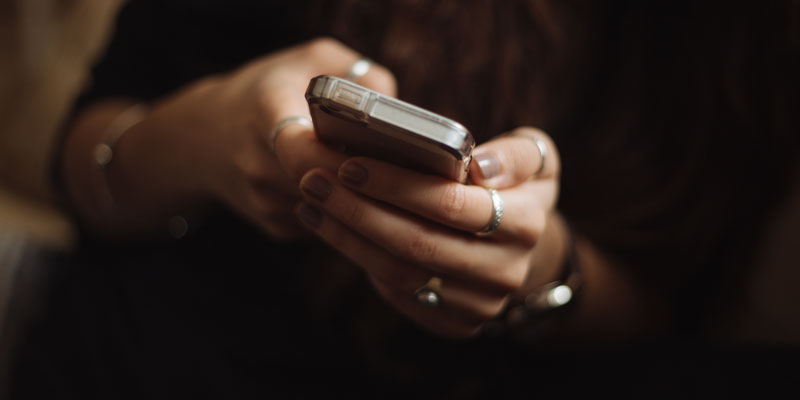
362,122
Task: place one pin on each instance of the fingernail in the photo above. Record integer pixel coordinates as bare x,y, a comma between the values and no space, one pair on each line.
317,187
353,173
309,215
488,164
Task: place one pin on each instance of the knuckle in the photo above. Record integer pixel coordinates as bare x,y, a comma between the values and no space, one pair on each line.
296,163
266,92
355,214
522,158
263,96
420,247
294,167
519,157
383,80
528,130
532,232
529,237
241,164
512,278
322,46
453,201
255,176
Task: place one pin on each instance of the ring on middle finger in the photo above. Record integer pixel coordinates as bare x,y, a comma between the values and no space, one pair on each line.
497,212
428,295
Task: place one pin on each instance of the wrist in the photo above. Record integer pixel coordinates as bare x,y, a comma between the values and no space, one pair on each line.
548,256
121,173
552,287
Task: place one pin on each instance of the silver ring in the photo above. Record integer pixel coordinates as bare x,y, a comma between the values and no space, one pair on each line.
428,295
497,212
358,69
283,124
542,153
542,146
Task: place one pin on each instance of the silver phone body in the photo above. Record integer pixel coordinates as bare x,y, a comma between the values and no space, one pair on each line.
362,122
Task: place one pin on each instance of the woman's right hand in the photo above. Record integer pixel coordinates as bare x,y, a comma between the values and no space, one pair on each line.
241,112
210,140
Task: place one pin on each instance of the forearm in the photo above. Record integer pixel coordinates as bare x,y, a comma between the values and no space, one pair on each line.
610,304
148,179
613,305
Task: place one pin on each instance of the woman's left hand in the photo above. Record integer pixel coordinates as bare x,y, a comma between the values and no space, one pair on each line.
403,227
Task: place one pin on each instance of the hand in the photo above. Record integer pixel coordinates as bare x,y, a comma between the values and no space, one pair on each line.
403,227
216,133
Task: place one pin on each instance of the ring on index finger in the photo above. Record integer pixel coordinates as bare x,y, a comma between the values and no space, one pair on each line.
283,124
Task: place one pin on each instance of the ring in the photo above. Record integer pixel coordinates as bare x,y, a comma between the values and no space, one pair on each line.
428,295
497,212
358,69
283,124
542,153
540,144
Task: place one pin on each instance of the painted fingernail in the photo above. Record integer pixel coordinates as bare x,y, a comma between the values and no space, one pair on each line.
317,187
488,164
309,215
353,173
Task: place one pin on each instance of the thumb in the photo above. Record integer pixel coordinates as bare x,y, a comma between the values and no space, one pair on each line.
511,159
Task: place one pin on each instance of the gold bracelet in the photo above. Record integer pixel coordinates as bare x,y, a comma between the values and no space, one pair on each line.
104,152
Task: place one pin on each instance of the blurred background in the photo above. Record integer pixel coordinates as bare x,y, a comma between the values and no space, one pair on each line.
46,50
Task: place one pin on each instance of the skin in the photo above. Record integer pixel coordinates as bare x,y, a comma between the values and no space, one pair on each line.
207,143
403,227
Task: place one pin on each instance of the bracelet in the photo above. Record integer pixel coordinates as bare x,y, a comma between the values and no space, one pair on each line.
103,154
525,321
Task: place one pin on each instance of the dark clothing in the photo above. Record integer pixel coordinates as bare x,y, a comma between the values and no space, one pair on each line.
226,313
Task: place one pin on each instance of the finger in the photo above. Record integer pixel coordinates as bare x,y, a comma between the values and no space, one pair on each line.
298,150
364,253
282,88
515,158
259,172
281,96
464,207
331,57
267,207
468,304
416,240
270,212
436,320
